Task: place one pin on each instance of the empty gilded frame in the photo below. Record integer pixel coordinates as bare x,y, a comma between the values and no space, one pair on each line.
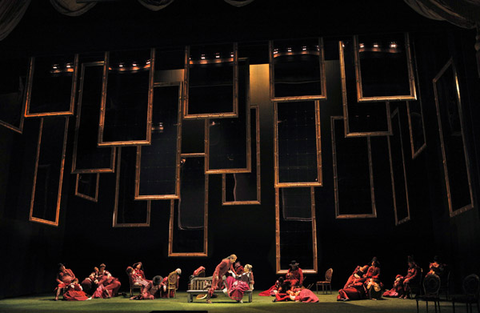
278,263
456,163
398,172
416,127
361,119
51,86
384,68
297,70
86,186
128,214
49,168
126,107
211,81
13,86
290,119
361,177
247,177
189,192
87,157
161,156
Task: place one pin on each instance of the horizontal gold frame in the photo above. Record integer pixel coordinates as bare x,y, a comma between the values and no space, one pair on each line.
186,85
258,167
117,193
452,211
171,226
60,184
411,76
322,96
176,195
75,170
279,270
101,126
84,196
338,215
396,114
319,181
28,96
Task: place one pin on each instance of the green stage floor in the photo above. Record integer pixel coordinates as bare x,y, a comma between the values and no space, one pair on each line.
328,303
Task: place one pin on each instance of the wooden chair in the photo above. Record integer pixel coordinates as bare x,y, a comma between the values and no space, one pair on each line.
133,285
172,284
431,289
327,283
471,290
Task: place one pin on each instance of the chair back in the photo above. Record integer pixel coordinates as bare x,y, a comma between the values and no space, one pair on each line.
328,275
172,280
471,285
431,285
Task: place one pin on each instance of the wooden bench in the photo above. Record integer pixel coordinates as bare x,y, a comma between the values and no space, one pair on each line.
200,285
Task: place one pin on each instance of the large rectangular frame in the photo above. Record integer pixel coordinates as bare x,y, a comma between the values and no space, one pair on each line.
179,148
60,184
319,182
278,268
335,177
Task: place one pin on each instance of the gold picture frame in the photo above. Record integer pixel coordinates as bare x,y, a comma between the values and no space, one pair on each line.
85,196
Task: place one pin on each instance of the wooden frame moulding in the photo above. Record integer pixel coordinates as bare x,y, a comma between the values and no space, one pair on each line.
411,76
148,130
171,226
396,114
117,191
179,148
60,184
319,181
75,170
323,82
278,268
186,87
19,128
453,212
84,196
73,91
258,168
338,215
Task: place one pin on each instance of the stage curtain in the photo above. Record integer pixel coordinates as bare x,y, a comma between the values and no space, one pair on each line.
155,5
71,7
11,12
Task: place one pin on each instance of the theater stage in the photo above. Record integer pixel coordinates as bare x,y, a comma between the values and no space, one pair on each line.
328,303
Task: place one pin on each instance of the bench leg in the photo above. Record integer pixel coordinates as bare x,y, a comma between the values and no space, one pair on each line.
250,297
190,298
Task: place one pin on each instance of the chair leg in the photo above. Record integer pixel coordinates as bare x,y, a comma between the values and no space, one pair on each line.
316,288
417,305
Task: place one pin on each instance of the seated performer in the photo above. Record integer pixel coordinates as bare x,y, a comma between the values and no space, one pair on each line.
354,289
107,284
137,278
217,278
173,276
89,284
238,268
238,284
401,286
138,267
373,284
65,277
294,274
152,290
74,292
436,267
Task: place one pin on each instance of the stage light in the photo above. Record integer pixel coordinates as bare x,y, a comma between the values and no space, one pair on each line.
304,48
289,49
217,55
362,46
393,45
376,45
202,56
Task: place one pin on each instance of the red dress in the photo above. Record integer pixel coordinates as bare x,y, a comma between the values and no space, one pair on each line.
109,283
220,270
295,277
75,293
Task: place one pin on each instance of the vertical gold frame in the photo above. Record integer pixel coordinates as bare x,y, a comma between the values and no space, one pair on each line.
84,196
322,96
410,130
110,169
117,187
204,253
28,96
319,182
278,268
186,85
101,125
343,76
442,142
338,215
411,76
258,167
179,148
60,184
396,113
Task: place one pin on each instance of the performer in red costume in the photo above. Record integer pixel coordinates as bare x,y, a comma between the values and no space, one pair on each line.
294,274
238,284
163,292
354,289
89,284
436,267
74,292
65,277
138,267
152,291
373,283
238,268
401,286
107,284
221,269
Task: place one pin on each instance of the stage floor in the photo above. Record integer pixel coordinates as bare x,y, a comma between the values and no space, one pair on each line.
328,303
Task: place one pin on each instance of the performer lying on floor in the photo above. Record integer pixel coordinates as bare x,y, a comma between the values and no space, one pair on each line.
354,289
298,295
152,290
293,278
